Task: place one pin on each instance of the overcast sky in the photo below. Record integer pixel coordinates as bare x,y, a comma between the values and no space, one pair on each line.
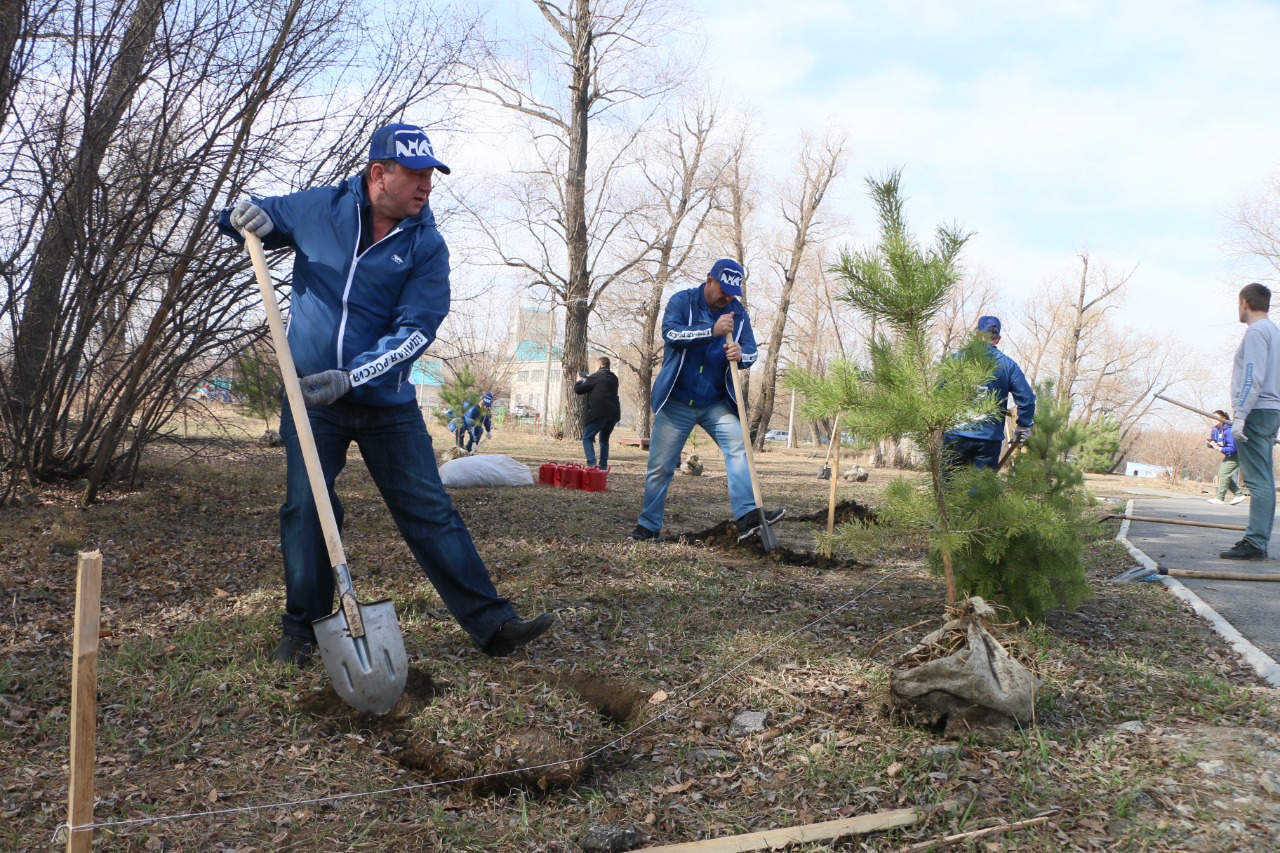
1130,128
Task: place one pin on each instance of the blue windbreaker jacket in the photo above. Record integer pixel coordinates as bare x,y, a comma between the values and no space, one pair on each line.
686,336
1224,438
373,313
1008,379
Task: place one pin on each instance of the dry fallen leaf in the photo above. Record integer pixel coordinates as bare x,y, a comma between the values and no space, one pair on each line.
658,698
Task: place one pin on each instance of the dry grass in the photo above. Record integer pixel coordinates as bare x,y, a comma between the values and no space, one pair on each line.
621,715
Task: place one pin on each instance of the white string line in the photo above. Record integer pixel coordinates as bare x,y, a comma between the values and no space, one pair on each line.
66,827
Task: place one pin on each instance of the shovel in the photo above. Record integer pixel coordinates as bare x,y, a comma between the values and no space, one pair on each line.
825,473
361,644
1142,573
766,534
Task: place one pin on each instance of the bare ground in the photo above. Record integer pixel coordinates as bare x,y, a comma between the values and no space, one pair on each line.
622,714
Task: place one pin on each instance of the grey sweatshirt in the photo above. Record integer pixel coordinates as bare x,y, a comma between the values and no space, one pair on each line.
1255,375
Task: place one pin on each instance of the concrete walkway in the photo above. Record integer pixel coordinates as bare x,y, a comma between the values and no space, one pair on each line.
1251,608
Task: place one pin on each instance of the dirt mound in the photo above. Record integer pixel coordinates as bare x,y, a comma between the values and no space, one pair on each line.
847,512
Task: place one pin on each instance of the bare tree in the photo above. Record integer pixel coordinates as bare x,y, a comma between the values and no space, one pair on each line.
592,63
1257,225
819,164
118,296
1108,372
682,170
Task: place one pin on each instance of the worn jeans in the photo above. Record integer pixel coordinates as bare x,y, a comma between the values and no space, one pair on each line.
1226,482
960,450
397,451
1254,456
602,427
671,428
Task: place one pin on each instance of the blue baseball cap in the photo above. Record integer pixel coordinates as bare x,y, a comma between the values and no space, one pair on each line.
486,398
407,144
989,323
729,273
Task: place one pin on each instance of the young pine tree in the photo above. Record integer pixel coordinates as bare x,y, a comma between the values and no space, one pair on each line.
908,389
1022,545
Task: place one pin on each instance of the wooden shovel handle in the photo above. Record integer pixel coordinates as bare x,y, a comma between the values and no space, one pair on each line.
746,434
298,408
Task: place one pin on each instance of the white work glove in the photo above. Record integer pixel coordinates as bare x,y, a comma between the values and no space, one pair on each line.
1020,434
1237,429
248,218
321,389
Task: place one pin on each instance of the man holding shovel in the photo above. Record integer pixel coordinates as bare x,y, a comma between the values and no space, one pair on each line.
370,289
979,444
1255,400
695,388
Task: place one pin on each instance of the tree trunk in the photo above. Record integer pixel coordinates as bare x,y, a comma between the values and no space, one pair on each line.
67,229
578,285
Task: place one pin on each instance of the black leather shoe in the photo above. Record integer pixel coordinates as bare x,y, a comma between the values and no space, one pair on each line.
514,633
293,650
643,534
1243,550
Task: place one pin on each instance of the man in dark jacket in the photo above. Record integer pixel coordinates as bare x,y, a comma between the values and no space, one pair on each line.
978,444
603,409
370,289
706,333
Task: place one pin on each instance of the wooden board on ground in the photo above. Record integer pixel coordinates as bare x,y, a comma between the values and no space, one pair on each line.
771,838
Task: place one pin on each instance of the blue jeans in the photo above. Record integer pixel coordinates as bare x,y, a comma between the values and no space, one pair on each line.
671,428
397,451
1254,456
962,450
602,427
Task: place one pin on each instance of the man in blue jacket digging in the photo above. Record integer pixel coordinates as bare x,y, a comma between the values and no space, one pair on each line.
694,388
978,444
370,289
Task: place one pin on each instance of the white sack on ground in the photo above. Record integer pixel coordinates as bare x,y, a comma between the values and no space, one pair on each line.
978,685
488,470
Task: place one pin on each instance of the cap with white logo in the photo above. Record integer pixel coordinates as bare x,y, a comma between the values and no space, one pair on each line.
407,144
729,273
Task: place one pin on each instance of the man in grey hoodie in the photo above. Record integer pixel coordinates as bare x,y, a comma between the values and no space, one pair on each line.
1255,397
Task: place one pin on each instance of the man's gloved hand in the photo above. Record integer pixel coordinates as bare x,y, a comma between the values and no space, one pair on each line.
1020,434
248,218
1237,429
321,389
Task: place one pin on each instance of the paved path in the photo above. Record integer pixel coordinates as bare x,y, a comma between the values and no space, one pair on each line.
1253,608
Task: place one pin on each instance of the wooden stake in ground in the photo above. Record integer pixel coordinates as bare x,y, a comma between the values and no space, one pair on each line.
771,838
84,701
835,478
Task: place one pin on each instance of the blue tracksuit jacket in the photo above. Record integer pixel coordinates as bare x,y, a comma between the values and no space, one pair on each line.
372,313
1008,379
692,360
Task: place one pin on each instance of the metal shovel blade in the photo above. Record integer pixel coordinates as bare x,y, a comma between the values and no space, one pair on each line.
1138,573
767,537
825,473
368,672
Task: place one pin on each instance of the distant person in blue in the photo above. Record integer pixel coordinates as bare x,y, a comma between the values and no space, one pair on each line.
979,444
370,289
1221,439
477,421
694,389
604,410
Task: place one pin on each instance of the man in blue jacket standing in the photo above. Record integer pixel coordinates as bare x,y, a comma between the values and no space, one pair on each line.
370,289
978,444
694,388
